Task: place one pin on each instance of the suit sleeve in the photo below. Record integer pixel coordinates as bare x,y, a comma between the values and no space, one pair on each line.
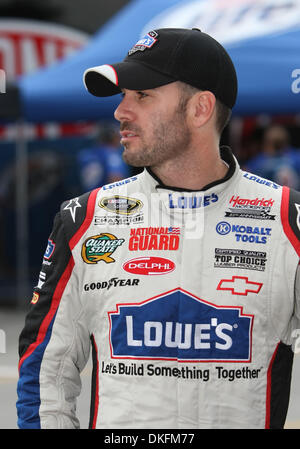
295,321
292,229
54,344
290,214
297,295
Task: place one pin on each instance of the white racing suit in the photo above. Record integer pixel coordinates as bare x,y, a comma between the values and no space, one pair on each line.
189,301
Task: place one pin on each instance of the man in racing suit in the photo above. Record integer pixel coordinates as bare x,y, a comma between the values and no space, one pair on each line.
183,279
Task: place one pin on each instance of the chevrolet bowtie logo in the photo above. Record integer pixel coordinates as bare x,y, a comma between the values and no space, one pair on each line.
239,285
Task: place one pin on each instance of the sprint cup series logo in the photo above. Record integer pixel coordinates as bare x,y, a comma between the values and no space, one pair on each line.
121,205
179,326
100,247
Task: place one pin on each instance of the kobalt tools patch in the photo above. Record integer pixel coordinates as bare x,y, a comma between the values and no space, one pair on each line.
100,247
177,325
251,234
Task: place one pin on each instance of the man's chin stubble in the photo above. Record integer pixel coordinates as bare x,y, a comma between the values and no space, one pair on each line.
136,160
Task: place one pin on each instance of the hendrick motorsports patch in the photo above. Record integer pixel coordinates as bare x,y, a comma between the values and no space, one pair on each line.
257,208
100,247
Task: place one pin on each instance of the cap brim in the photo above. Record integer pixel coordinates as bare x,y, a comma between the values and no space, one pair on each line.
106,80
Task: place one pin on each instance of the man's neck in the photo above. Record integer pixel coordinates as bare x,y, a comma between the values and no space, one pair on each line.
192,171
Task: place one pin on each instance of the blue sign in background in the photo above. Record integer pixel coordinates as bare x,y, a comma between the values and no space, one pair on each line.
266,65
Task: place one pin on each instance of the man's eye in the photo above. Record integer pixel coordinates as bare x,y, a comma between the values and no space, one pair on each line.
142,95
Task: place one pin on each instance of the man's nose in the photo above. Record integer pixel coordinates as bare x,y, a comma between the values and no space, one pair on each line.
124,111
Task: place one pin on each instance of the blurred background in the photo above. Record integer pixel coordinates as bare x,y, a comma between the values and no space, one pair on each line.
57,141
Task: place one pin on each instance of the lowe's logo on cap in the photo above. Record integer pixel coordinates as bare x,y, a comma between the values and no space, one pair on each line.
179,326
145,42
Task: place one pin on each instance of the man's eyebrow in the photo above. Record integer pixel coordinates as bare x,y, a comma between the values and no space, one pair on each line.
122,89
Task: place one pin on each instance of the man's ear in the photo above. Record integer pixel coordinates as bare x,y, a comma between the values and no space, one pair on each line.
201,107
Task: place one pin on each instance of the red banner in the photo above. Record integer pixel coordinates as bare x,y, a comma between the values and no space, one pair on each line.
26,46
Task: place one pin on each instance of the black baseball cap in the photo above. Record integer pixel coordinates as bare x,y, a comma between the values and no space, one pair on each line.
166,55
